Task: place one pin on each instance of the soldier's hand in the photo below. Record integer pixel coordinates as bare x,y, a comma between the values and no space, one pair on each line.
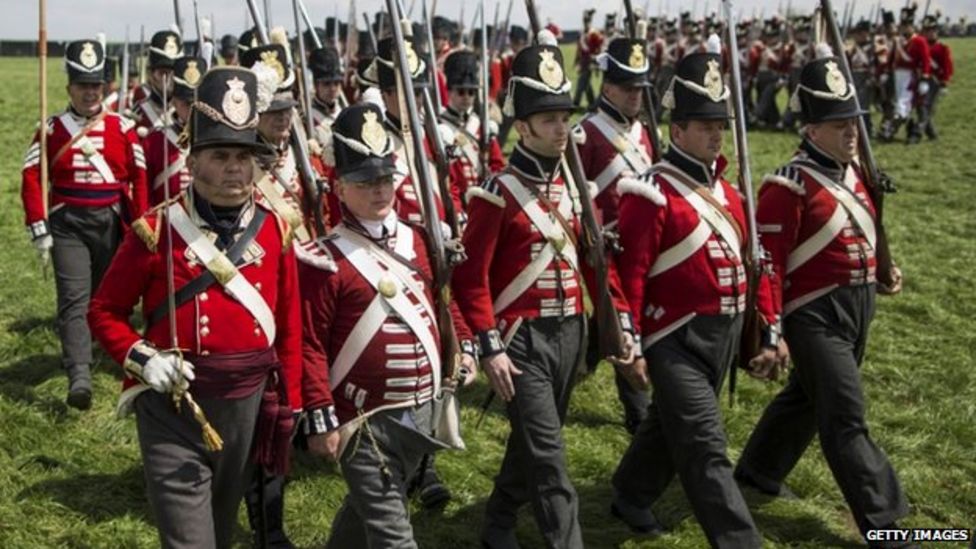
469,369
43,245
500,369
896,283
635,373
770,362
166,370
325,445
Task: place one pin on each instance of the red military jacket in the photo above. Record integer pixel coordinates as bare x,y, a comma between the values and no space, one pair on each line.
79,150
465,133
504,242
174,167
590,44
913,54
615,147
408,200
941,59
814,242
212,322
764,57
797,54
149,113
281,187
675,265
358,359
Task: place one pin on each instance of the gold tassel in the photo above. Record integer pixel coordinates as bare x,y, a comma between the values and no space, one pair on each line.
211,439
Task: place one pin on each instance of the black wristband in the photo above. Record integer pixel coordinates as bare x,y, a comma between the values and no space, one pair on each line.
321,420
491,343
770,336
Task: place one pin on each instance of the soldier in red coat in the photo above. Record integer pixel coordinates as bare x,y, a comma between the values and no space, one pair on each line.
766,68
683,228
97,177
459,116
817,220
172,170
165,48
237,342
912,72
617,147
942,69
518,37
797,53
372,341
588,46
521,291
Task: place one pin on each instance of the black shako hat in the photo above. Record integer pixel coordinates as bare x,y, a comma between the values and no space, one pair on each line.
461,70
84,60
697,91
228,45
383,67
165,48
362,149
538,83
225,112
249,39
324,64
908,14
111,69
625,63
310,38
188,71
823,93
931,21
518,34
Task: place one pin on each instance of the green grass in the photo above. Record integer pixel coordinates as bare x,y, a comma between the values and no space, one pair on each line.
69,479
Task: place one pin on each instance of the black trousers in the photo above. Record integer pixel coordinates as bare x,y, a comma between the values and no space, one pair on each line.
767,87
823,396
549,351
584,86
683,432
633,401
85,240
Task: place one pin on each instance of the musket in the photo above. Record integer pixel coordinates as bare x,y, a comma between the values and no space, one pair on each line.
928,4
410,127
474,20
315,188
42,86
647,103
484,140
753,261
199,29
494,23
267,14
124,88
304,80
611,335
369,30
461,29
877,181
501,35
431,56
352,37
179,18
142,54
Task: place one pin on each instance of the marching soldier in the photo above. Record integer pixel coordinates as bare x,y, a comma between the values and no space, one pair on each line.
863,61
796,54
817,221
942,70
742,31
588,46
164,49
111,90
618,146
683,227
518,37
97,176
372,341
911,60
521,291
461,69
187,73
327,75
668,54
765,67
228,50
237,323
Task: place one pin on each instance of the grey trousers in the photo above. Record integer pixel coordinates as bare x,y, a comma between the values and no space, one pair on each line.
85,239
549,351
824,397
375,513
194,493
767,111
683,433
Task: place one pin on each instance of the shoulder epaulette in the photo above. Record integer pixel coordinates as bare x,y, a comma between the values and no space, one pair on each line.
788,176
644,186
488,190
147,228
315,253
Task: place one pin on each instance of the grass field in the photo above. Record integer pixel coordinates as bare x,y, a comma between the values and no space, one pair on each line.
70,479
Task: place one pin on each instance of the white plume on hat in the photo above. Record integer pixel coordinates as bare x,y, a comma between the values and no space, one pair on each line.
176,29
279,35
823,50
713,44
546,38
205,27
100,38
267,85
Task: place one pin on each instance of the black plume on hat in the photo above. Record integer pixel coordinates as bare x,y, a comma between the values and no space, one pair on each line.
324,64
625,63
908,14
362,148
188,72
697,91
225,111
538,83
85,62
461,70
824,93
165,48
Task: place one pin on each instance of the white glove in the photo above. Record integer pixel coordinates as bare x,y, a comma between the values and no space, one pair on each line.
164,370
923,88
43,245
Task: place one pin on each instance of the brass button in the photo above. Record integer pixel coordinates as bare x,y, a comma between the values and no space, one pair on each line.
204,331
258,262
204,353
203,296
257,285
204,320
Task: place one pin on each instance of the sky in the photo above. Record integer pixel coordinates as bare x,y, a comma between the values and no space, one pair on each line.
74,19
